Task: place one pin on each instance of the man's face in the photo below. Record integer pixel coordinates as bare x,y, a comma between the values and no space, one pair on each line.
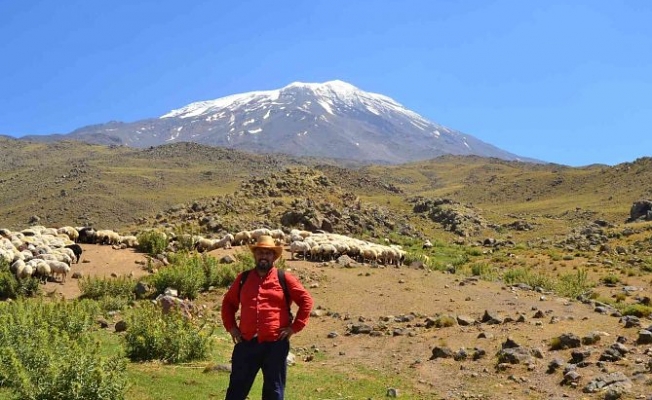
264,258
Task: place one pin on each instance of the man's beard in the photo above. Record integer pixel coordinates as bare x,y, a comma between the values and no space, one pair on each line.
263,265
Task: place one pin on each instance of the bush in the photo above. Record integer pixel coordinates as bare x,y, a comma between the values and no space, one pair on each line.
171,337
185,274
638,310
9,285
610,279
574,285
152,242
46,352
192,273
12,288
97,288
529,277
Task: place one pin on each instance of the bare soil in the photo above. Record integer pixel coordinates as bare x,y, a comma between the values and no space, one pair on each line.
381,296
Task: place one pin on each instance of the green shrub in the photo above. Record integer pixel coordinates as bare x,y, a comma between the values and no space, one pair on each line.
574,285
12,288
46,352
170,337
9,285
152,242
183,274
610,279
97,288
484,270
528,277
111,303
638,310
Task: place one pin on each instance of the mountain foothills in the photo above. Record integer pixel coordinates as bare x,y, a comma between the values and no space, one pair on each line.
120,187
332,119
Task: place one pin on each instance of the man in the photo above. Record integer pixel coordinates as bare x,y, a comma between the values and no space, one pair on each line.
266,325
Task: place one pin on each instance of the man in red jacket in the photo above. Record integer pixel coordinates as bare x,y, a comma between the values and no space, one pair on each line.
266,325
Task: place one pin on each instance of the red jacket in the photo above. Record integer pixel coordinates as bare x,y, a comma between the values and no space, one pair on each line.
264,309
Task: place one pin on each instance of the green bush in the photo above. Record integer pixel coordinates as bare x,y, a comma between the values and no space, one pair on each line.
484,271
638,310
192,273
46,352
185,274
97,288
610,279
528,277
9,285
574,285
170,337
12,288
152,242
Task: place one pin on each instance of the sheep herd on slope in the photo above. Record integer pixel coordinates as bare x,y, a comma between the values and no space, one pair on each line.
48,253
320,246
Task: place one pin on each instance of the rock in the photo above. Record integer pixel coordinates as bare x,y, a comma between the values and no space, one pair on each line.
227,259
441,352
616,381
141,289
517,355
644,337
491,318
566,341
361,329
591,338
77,275
121,326
465,320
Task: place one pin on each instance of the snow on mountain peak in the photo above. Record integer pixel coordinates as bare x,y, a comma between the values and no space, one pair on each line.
328,94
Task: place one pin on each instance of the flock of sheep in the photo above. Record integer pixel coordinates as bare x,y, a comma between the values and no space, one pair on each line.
48,253
319,246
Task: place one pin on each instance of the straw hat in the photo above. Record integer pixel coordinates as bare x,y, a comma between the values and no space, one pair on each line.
267,242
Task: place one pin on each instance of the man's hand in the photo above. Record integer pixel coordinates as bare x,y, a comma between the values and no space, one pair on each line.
286,333
236,335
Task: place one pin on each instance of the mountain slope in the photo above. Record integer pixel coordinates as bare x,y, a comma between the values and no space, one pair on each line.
333,119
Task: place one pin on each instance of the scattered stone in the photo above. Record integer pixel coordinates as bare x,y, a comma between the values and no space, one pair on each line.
644,337
121,326
227,259
441,352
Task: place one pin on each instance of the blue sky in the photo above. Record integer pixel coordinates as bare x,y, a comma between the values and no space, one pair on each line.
568,82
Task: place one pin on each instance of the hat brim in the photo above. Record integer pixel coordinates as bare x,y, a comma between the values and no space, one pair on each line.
278,250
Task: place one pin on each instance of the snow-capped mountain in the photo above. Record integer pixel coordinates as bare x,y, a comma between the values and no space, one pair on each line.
332,119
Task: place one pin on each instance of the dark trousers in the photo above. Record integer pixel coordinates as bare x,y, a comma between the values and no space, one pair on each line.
248,358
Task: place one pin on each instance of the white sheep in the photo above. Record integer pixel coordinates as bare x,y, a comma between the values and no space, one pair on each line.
256,233
299,246
278,235
43,270
107,236
129,241
224,243
242,237
59,268
204,244
70,232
